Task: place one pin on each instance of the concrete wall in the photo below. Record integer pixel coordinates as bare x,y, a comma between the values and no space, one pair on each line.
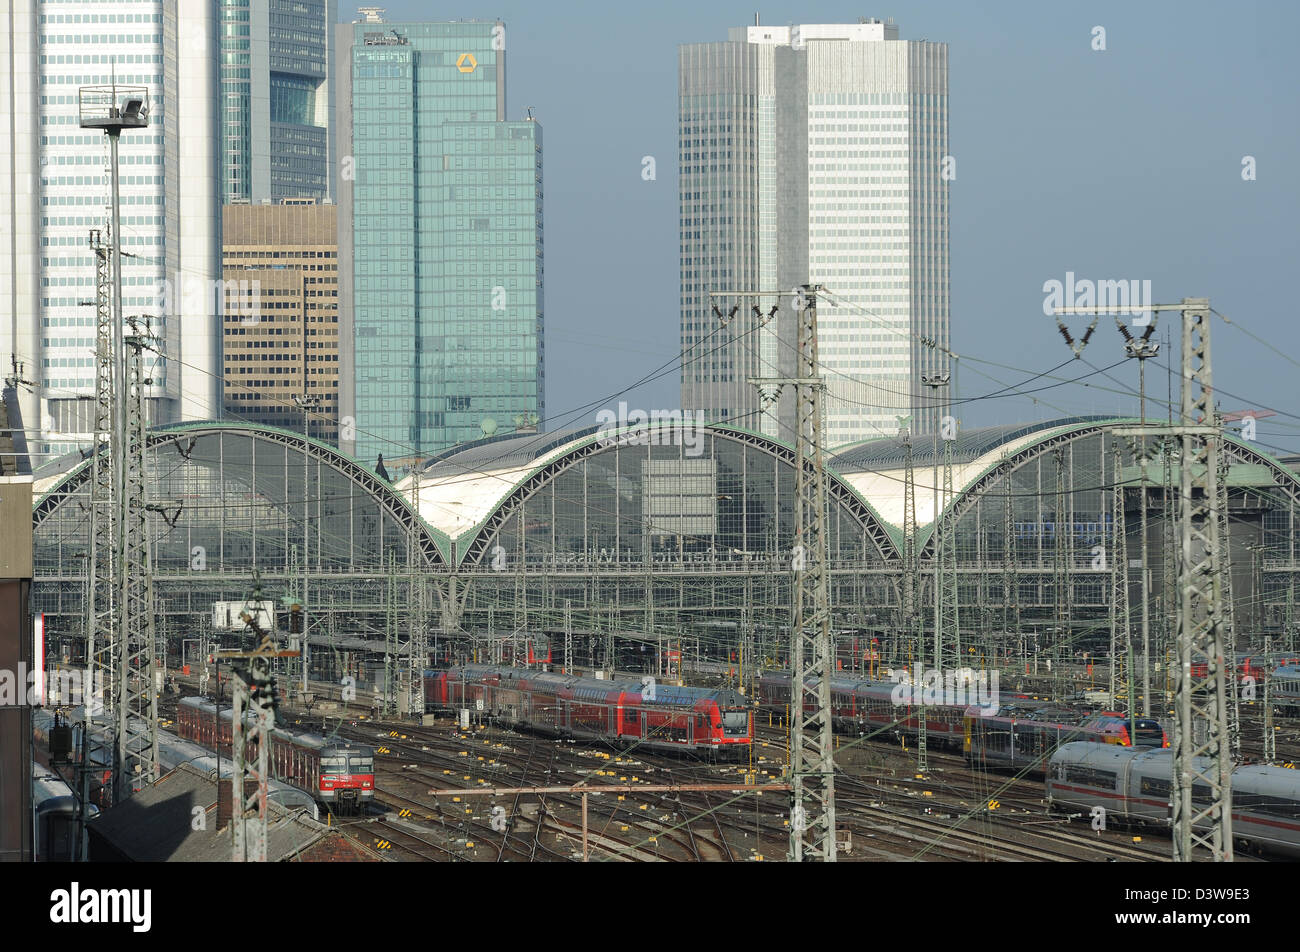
15,651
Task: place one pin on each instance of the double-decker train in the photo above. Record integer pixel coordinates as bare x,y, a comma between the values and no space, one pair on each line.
1024,740
859,707
1012,731
1135,786
337,772
622,713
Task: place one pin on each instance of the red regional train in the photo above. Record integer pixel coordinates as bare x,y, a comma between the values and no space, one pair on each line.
336,772
642,713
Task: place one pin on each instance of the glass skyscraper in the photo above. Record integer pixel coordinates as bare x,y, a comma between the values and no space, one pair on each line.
814,154
277,66
441,202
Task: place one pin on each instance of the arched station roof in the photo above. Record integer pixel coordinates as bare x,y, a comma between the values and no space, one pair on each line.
877,468
464,492
60,480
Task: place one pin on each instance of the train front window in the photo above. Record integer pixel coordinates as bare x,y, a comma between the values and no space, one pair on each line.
361,763
334,764
1150,734
735,723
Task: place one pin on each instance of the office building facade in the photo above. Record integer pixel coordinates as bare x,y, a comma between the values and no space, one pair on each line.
813,154
280,323
57,189
441,217
277,87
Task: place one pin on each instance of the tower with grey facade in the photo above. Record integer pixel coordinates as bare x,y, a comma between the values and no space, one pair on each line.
814,153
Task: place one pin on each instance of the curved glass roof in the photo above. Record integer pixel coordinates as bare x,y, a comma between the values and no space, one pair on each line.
877,469
970,445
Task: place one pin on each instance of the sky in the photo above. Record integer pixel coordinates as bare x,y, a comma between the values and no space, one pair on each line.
1122,163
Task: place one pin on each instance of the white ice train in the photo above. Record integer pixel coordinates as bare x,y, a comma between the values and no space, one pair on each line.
1135,785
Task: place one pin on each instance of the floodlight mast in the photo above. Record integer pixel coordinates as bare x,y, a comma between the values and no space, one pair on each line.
114,108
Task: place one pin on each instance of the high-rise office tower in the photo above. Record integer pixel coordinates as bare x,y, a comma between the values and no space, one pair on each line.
56,188
814,154
277,84
281,314
441,217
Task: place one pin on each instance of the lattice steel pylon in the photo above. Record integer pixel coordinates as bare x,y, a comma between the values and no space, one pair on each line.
1010,584
1270,737
418,644
101,623
947,651
253,690
1229,622
911,581
568,636
1121,639
1060,574
1169,544
136,655
812,825
1202,748
389,701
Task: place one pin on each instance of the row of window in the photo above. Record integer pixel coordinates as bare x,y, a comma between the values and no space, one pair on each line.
84,79
47,38
96,59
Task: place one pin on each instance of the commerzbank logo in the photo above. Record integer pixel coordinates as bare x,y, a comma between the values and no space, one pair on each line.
467,63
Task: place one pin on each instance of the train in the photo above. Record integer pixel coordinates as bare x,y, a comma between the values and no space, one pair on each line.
1023,741
334,771
858,707
1284,689
638,713
1134,787
172,752
54,817
1013,731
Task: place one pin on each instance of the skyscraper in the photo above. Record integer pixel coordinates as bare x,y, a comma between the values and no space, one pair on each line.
284,260
277,87
441,216
814,154
56,189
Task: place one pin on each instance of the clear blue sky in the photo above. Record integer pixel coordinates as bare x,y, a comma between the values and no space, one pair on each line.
1117,164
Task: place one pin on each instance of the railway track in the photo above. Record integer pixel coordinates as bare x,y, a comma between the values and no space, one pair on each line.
879,798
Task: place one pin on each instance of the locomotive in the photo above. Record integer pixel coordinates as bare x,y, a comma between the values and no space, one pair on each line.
334,771
1134,787
624,713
